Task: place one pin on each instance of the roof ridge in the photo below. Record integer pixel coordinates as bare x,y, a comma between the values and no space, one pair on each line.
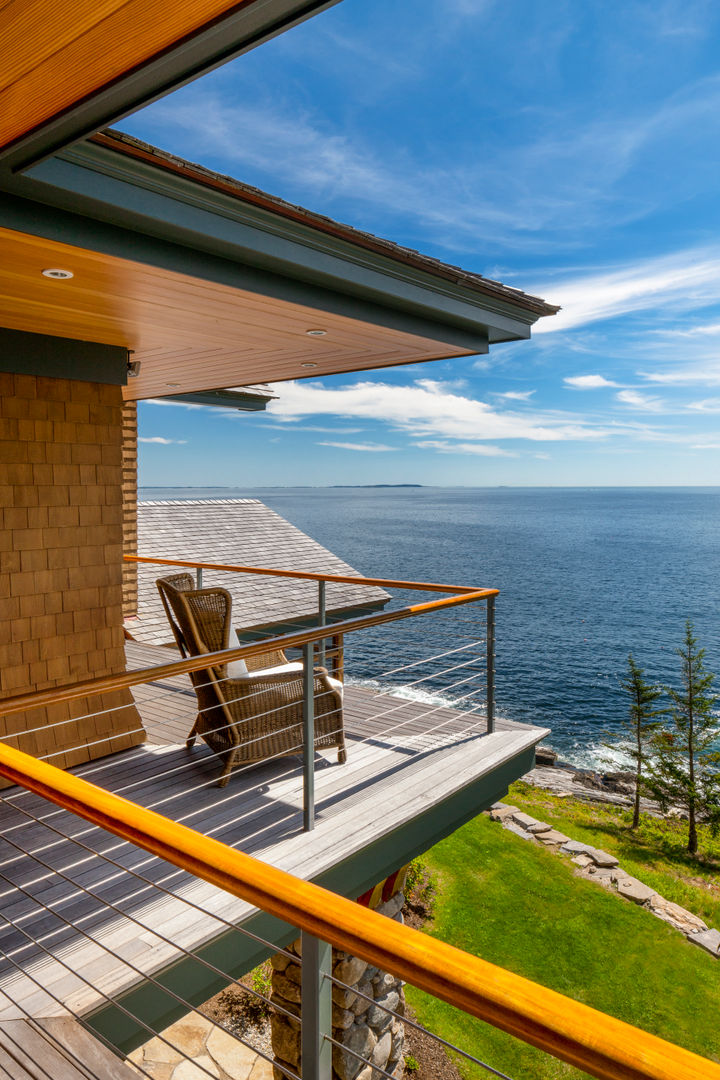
195,502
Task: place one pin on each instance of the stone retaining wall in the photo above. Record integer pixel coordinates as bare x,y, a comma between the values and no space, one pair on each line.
363,1026
603,868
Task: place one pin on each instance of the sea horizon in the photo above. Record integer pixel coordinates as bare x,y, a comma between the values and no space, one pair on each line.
586,575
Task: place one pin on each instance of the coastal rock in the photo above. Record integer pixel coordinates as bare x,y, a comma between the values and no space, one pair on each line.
709,940
524,820
574,847
513,828
583,861
545,756
553,838
634,890
603,874
601,858
675,915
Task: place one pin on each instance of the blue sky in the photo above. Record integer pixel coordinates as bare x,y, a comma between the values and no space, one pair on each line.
568,149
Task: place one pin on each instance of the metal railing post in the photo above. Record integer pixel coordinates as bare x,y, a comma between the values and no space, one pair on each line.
198,577
490,636
308,737
321,619
316,1004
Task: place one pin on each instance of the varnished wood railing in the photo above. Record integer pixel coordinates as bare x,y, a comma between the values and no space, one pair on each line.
573,1032
310,575
101,685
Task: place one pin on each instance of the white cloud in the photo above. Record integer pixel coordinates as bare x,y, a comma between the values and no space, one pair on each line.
516,395
707,405
695,374
317,427
588,382
688,280
427,408
369,448
463,448
640,401
161,441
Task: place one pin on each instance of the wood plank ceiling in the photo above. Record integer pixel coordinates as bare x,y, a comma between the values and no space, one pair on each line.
188,334
56,55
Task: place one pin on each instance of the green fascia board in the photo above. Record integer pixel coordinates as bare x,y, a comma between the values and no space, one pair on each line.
273,236
223,40
81,229
225,399
108,186
25,353
236,953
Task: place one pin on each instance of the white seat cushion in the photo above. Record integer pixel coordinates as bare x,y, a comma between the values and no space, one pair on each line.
236,669
279,669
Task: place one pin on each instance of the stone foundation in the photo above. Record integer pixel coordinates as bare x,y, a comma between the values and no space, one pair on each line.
361,1025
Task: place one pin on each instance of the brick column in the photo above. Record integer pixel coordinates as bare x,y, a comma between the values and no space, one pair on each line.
61,534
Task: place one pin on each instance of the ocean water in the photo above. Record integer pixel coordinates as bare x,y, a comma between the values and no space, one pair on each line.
585,576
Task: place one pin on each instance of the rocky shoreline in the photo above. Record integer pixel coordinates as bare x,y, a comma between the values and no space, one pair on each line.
564,779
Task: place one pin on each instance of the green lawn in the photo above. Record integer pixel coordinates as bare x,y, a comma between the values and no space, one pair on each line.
655,853
520,906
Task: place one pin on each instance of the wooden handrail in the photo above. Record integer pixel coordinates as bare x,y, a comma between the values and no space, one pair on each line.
39,698
385,583
590,1040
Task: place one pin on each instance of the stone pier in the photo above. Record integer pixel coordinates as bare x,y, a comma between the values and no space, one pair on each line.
361,1025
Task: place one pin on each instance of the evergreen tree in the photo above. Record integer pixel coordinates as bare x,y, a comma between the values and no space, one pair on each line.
641,726
686,769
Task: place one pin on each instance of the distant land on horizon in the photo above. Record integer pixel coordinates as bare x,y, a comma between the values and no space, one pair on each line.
376,485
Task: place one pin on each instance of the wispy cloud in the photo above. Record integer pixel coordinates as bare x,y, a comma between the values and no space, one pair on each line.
161,441
644,402
318,428
515,395
549,190
368,448
588,382
707,405
426,408
686,280
483,449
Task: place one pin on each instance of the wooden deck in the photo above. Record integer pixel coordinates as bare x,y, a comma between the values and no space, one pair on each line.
78,928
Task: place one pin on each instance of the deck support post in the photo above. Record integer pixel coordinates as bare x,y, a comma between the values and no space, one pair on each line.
321,619
308,737
490,640
198,577
316,1004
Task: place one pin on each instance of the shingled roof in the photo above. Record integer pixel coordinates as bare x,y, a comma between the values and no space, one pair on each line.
239,532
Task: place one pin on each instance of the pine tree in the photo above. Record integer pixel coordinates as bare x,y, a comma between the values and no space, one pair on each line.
639,729
686,770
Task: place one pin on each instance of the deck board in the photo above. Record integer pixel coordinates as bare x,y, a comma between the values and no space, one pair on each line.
404,757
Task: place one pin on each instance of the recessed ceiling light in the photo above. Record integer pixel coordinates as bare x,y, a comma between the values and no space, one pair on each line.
316,333
308,363
172,384
58,275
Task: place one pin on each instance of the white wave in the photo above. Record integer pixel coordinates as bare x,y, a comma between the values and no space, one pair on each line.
414,693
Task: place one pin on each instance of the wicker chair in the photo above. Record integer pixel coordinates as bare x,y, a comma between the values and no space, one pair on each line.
252,716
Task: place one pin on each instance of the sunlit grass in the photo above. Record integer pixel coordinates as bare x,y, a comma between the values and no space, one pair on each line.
521,906
655,853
